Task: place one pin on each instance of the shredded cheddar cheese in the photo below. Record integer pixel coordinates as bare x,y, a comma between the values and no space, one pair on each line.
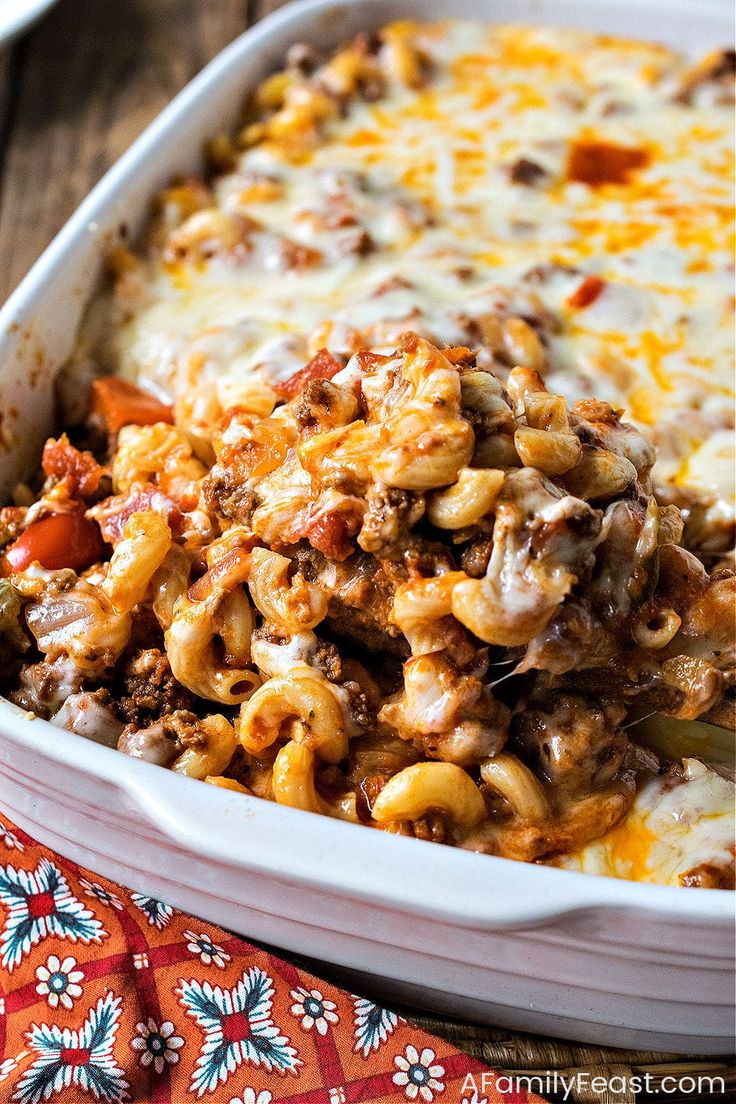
516,157
679,823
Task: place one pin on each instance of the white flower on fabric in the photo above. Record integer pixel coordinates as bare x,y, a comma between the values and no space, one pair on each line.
373,1025
59,982
209,953
40,904
104,896
156,912
10,1065
238,1027
157,1044
251,1097
313,1009
474,1098
83,1057
417,1074
10,839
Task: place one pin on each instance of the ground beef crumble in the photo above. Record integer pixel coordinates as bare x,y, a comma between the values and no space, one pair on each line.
150,690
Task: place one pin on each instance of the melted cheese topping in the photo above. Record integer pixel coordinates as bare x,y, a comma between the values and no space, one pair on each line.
628,184
674,827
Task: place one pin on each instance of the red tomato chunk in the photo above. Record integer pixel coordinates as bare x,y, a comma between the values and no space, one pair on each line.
118,403
56,541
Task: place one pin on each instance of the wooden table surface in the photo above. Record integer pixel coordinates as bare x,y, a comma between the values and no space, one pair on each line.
74,93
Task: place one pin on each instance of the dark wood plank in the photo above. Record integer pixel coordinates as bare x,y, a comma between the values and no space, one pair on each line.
9,62
6,61
92,76
261,8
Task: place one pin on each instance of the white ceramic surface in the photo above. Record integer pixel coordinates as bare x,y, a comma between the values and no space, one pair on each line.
17,16
529,947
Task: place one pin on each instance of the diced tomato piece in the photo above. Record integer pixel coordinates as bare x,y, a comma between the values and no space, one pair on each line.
369,361
331,533
457,354
56,541
227,573
62,461
595,162
118,403
322,366
586,293
296,255
112,513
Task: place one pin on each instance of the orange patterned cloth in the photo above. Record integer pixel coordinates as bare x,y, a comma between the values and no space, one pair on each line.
113,996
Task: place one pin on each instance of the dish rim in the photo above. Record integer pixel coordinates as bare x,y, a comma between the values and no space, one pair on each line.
533,895
25,17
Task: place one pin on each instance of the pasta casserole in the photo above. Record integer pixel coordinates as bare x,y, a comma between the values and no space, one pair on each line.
396,480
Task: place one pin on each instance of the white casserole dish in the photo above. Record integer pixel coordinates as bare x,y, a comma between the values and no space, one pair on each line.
530,947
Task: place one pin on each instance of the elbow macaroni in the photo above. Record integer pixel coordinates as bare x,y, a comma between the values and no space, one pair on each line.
169,584
292,605
217,672
218,743
302,702
468,500
293,783
416,790
145,543
293,779
506,774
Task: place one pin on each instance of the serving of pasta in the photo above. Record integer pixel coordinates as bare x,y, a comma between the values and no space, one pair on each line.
394,483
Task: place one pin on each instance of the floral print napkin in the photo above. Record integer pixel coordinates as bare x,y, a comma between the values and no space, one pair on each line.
113,996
